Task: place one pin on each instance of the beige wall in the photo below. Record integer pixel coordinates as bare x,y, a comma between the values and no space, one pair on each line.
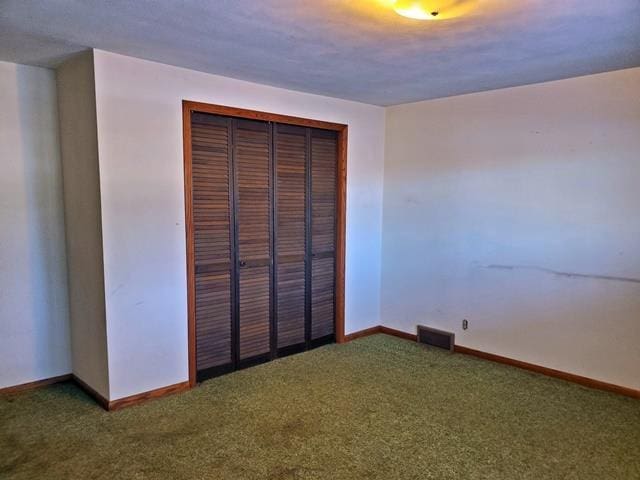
139,112
515,209
78,138
34,329
519,210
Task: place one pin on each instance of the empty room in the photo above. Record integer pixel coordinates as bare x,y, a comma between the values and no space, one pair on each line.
332,239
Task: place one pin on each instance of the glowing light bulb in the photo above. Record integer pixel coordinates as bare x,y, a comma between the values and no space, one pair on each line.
413,10
433,9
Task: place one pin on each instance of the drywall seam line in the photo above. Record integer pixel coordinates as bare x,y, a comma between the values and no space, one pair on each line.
563,274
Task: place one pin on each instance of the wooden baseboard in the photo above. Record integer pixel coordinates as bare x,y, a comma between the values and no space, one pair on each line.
380,329
103,402
399,333
111,405
362,333
569,377
37,384
108,405
550,372
146,396
181,387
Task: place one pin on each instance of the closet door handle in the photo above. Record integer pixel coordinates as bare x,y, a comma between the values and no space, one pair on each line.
242,263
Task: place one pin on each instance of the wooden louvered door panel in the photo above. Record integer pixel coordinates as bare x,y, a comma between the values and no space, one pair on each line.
291,178
210,138
252,164
323,234
263,204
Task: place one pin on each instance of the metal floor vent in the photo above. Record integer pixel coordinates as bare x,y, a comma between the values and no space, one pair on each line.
436,338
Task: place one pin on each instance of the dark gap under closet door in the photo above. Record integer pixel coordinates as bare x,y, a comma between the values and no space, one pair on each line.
323,233
290,158
252,162
212,231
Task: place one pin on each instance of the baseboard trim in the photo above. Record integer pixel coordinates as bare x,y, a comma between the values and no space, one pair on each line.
146,396
549,372
183,386
37,384
380,329
363,333
103,402
399,333
109,405
120,403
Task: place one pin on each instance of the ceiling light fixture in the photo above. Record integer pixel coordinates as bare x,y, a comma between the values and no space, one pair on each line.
433,9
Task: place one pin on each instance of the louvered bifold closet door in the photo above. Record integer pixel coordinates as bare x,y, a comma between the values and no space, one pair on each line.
323,234
252,163
290,159
210,166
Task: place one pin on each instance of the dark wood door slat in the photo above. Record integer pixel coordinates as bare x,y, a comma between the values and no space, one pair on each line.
212,244
323,232
252,172
264,202
291,178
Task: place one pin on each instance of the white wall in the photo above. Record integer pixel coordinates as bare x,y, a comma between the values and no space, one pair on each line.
516,209
141,180
78,139
34,330
488,195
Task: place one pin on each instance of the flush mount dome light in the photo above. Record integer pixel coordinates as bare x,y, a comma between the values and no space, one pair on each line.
433,9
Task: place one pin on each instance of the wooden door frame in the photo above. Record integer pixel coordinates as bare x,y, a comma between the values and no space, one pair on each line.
189,107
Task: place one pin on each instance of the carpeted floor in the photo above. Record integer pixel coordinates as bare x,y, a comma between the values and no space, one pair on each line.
377,408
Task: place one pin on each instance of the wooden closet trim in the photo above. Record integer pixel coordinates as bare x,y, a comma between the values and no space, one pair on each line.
341,206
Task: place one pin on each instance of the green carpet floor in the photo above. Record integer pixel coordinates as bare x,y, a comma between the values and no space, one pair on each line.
377,408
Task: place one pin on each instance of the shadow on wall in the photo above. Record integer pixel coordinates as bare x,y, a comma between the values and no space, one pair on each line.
33,281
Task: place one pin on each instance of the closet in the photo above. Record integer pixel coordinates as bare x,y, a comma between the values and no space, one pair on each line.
263,198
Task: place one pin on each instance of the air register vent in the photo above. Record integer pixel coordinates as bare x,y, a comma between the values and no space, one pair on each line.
436,338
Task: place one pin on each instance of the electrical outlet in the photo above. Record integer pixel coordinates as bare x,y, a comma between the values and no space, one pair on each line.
465,324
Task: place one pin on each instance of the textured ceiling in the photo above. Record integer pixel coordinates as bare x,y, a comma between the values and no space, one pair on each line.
355,49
